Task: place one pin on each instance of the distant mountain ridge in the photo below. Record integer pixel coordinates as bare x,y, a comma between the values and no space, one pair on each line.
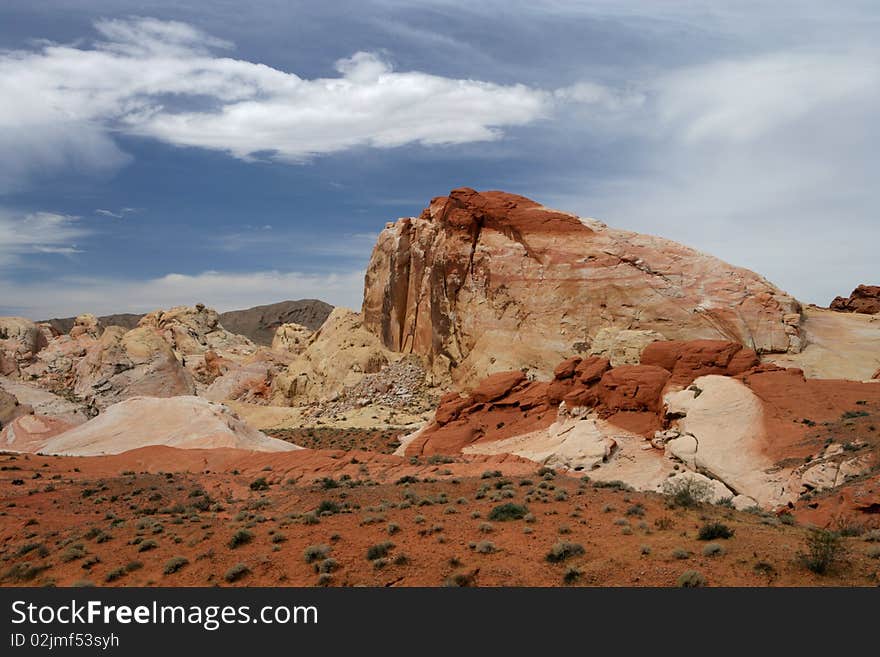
257,323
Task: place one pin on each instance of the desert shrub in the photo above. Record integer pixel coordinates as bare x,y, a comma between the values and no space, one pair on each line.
460,580
316,553
679,553
636,510
174,564
23,572
379,550
278,538
824,548
241,537
486,528
713,550
645,550
235,573
712,530
485,547
259,484
115,574
564,550
132,566
572,575
687,492
691,579
327,506
327,565
508,511
147,545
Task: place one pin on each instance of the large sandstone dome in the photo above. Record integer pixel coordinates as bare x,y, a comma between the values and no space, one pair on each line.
482,282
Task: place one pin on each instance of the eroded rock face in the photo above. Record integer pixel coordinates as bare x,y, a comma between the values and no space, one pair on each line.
864,299
194,330
291,338
482,282
689,360
20,340
341,352
184,422
10,408
86,324
124,364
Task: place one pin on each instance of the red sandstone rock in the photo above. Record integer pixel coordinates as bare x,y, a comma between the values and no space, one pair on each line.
864,299
689,360
483,281
496,386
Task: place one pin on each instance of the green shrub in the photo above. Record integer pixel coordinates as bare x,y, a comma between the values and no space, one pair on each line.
564,550
712,550
316,553
712,530
149,544
174,564
572,575
688,492
691,579
379,550
235,573
260,484
508,511
241,537
824,548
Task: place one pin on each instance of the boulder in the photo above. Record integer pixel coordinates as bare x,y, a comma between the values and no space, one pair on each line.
864,299
21,338
124,364
86,324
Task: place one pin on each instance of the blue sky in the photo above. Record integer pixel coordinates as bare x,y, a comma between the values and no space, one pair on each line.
157,153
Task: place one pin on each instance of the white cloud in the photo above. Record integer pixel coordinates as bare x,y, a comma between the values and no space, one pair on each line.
220,290
39,232
164,80
768,161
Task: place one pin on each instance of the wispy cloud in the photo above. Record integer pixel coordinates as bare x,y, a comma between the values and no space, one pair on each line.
38,233
115,214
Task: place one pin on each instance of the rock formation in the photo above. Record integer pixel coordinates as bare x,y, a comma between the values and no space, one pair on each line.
707,405
182,422
20,340
10,408
291,338
192,330
341,352
484,282
864,299
129,363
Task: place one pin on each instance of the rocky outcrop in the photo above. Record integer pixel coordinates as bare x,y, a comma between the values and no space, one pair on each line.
192,330
124,364
30,433
182,422
291,338
758,433
20,341
864,299
86,324
689,360
483,282
10,408
44,402
341,352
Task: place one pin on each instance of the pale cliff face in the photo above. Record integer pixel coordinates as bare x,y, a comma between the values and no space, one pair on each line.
481,282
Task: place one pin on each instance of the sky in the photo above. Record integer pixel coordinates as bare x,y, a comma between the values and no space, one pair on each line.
158,153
